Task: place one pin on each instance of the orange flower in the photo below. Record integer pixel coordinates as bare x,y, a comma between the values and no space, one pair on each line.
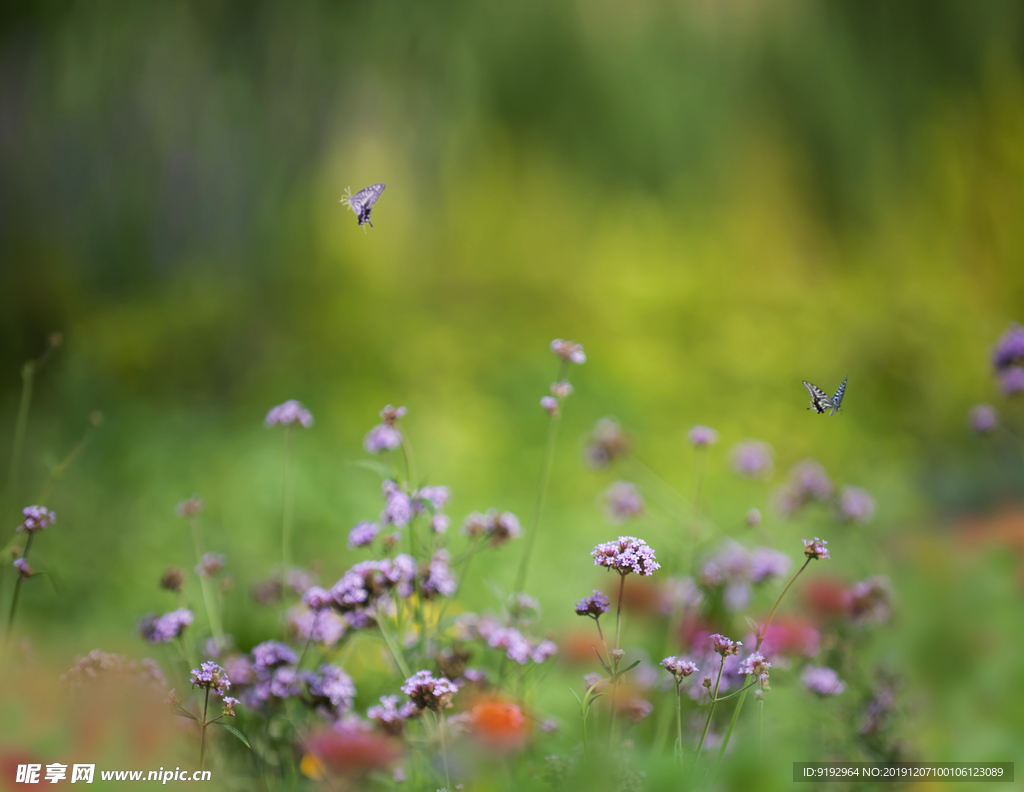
499,724
350,751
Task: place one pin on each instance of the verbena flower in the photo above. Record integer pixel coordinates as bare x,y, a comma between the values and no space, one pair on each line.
172,579
753,517
754,663
1011,380
499,528
621,501
752,458
870,601
317,598
435,497
679,667
397,505
634,708
549,404
332,690
815,548
385,436
363,534
360,590
390,716
211,677
210,564
561,390
766,563
189,507
166,628
438,577
440,523
983,418
1009,349
822,680
291,413
724,646
807,481
597,604
24,570
626,554
702,436
36,519
229,705
319,626
272,654
607,443
569,350
426,692
856,505
590,680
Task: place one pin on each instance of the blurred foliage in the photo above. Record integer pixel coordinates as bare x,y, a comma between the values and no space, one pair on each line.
717,199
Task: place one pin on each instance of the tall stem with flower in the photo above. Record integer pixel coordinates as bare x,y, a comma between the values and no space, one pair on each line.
36,518
289,415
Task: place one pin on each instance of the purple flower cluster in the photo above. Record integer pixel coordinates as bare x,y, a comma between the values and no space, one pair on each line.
36,519
363,534
736,568
807,481
724,646
569,350
359,591
331,689
679,667
596,605
319,626
163,629
189,507
621,501
755,663
753,458
1009,349
856,505
438,578
426,692
702,436
870,601
24,570
1012,380
435,497
607,443
983,418
549,404
626,554
291,413
390,717
398,509
822,680
497,527
211,677
385,436
272,654
210,564
815,548
516,646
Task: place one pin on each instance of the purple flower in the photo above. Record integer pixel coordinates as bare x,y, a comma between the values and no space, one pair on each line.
426,692
36,519
807,481
317,598
240,670
364,533
595,605
513,642
210,564
815,548
211,677
319,626
385,436
440,523
983,418
436,497
680,591
561,390
1009,349
754,663
569,350
626,554
592,679
24,570
635,709
856,505
363,586
291,413
550,405
766,562
823,681
724,646
272,654
1012,380
229,705
702,436
284,684
166,628
499,528
679,667
389,716
523,608
753,517
332,690
752,458
608,443
189,507
543,651
439,578
621,501
869,601
397,505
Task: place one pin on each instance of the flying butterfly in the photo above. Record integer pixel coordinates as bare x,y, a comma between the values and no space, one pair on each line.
820,401
362,202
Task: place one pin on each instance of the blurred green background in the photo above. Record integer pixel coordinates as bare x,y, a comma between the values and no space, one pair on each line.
717,199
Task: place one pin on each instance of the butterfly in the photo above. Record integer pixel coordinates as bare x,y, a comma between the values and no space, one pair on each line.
820,401
362,202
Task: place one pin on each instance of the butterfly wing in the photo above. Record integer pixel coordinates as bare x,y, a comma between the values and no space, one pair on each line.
838,398
362,202
819,399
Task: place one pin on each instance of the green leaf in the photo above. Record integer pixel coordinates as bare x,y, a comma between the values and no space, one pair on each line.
186,714
628,668
576,697
382,470
235,732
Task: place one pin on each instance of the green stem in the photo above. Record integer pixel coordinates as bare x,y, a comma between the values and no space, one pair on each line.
17,591
27,381
764,630
286,517
392,646
542,488
702,464
679,722
760,726
204,583
410,462
732,725
711,709
615,664
202,736
444,750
